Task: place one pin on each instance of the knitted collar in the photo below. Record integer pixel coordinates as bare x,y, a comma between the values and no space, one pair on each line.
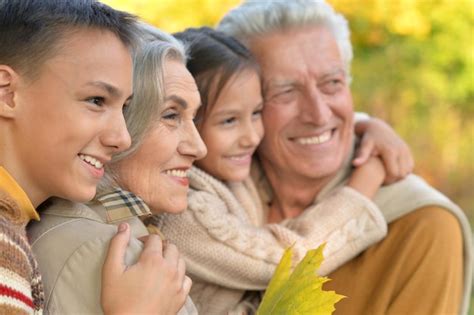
9,185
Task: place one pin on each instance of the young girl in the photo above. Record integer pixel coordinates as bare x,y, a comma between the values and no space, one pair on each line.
230,243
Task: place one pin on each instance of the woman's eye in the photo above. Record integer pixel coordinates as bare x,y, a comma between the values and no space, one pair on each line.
171,116
96,100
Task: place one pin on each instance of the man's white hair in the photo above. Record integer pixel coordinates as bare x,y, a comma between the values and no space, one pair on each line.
259,17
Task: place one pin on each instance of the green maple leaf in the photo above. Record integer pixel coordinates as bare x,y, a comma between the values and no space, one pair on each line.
300,291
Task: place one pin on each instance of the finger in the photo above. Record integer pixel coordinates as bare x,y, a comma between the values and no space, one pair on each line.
114,261
181,270
392,166
152,249
408,162
187,284
143,238
171,254
363,152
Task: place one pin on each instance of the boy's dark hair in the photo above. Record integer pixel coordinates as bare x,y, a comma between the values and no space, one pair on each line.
30,30
213,59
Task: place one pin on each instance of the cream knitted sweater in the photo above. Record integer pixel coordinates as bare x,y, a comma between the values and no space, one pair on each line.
228,248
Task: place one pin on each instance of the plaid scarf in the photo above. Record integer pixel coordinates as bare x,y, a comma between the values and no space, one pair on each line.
121,205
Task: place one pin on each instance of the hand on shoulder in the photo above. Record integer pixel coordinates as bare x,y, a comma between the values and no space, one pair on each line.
368,177
156,284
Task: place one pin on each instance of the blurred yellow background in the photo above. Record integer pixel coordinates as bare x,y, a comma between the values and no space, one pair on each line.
413,67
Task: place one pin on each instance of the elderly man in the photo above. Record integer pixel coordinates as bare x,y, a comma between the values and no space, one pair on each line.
424,265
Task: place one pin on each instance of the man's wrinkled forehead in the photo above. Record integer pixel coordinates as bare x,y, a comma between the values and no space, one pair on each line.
284,55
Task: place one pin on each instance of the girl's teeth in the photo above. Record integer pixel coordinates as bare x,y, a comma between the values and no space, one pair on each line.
238,158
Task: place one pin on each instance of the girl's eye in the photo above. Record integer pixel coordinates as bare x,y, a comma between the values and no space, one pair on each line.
96,100
229,121
257,113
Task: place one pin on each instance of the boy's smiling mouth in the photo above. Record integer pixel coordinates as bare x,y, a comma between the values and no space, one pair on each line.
91,160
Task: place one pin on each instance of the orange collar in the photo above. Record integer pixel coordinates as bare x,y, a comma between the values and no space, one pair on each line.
8,183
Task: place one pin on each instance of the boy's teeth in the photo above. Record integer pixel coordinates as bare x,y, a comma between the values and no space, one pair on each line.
177,173
92,161
316,140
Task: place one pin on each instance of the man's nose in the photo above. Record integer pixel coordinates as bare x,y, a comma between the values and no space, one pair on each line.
315,108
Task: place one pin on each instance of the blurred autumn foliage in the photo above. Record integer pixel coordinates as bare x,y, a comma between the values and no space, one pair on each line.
413,67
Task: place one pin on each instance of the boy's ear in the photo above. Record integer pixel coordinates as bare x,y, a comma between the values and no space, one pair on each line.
7,103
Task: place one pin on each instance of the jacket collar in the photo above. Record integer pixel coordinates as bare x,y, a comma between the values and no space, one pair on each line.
111,207
121,205
11,187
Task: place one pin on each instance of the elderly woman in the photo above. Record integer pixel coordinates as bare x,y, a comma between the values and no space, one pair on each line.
72,239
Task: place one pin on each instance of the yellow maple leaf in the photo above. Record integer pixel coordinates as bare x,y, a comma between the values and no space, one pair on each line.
300,291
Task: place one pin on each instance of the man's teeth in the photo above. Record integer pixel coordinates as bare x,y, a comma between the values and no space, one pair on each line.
92,161
316,140
177,173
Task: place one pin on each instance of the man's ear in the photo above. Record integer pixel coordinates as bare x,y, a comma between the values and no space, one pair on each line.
7,102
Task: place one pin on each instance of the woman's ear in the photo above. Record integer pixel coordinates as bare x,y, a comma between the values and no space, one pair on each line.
7,102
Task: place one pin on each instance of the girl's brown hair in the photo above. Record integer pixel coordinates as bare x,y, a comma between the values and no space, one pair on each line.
213,59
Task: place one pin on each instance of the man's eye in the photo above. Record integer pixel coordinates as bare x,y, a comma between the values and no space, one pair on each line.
285,92
96,100
332,86
284,96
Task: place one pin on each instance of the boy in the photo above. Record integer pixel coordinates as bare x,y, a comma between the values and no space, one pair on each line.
65,77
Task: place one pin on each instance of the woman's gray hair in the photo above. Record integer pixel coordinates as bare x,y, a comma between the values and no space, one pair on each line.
259,17
155,47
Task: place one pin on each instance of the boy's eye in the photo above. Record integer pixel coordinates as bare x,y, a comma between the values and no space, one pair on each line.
125,107
96,100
